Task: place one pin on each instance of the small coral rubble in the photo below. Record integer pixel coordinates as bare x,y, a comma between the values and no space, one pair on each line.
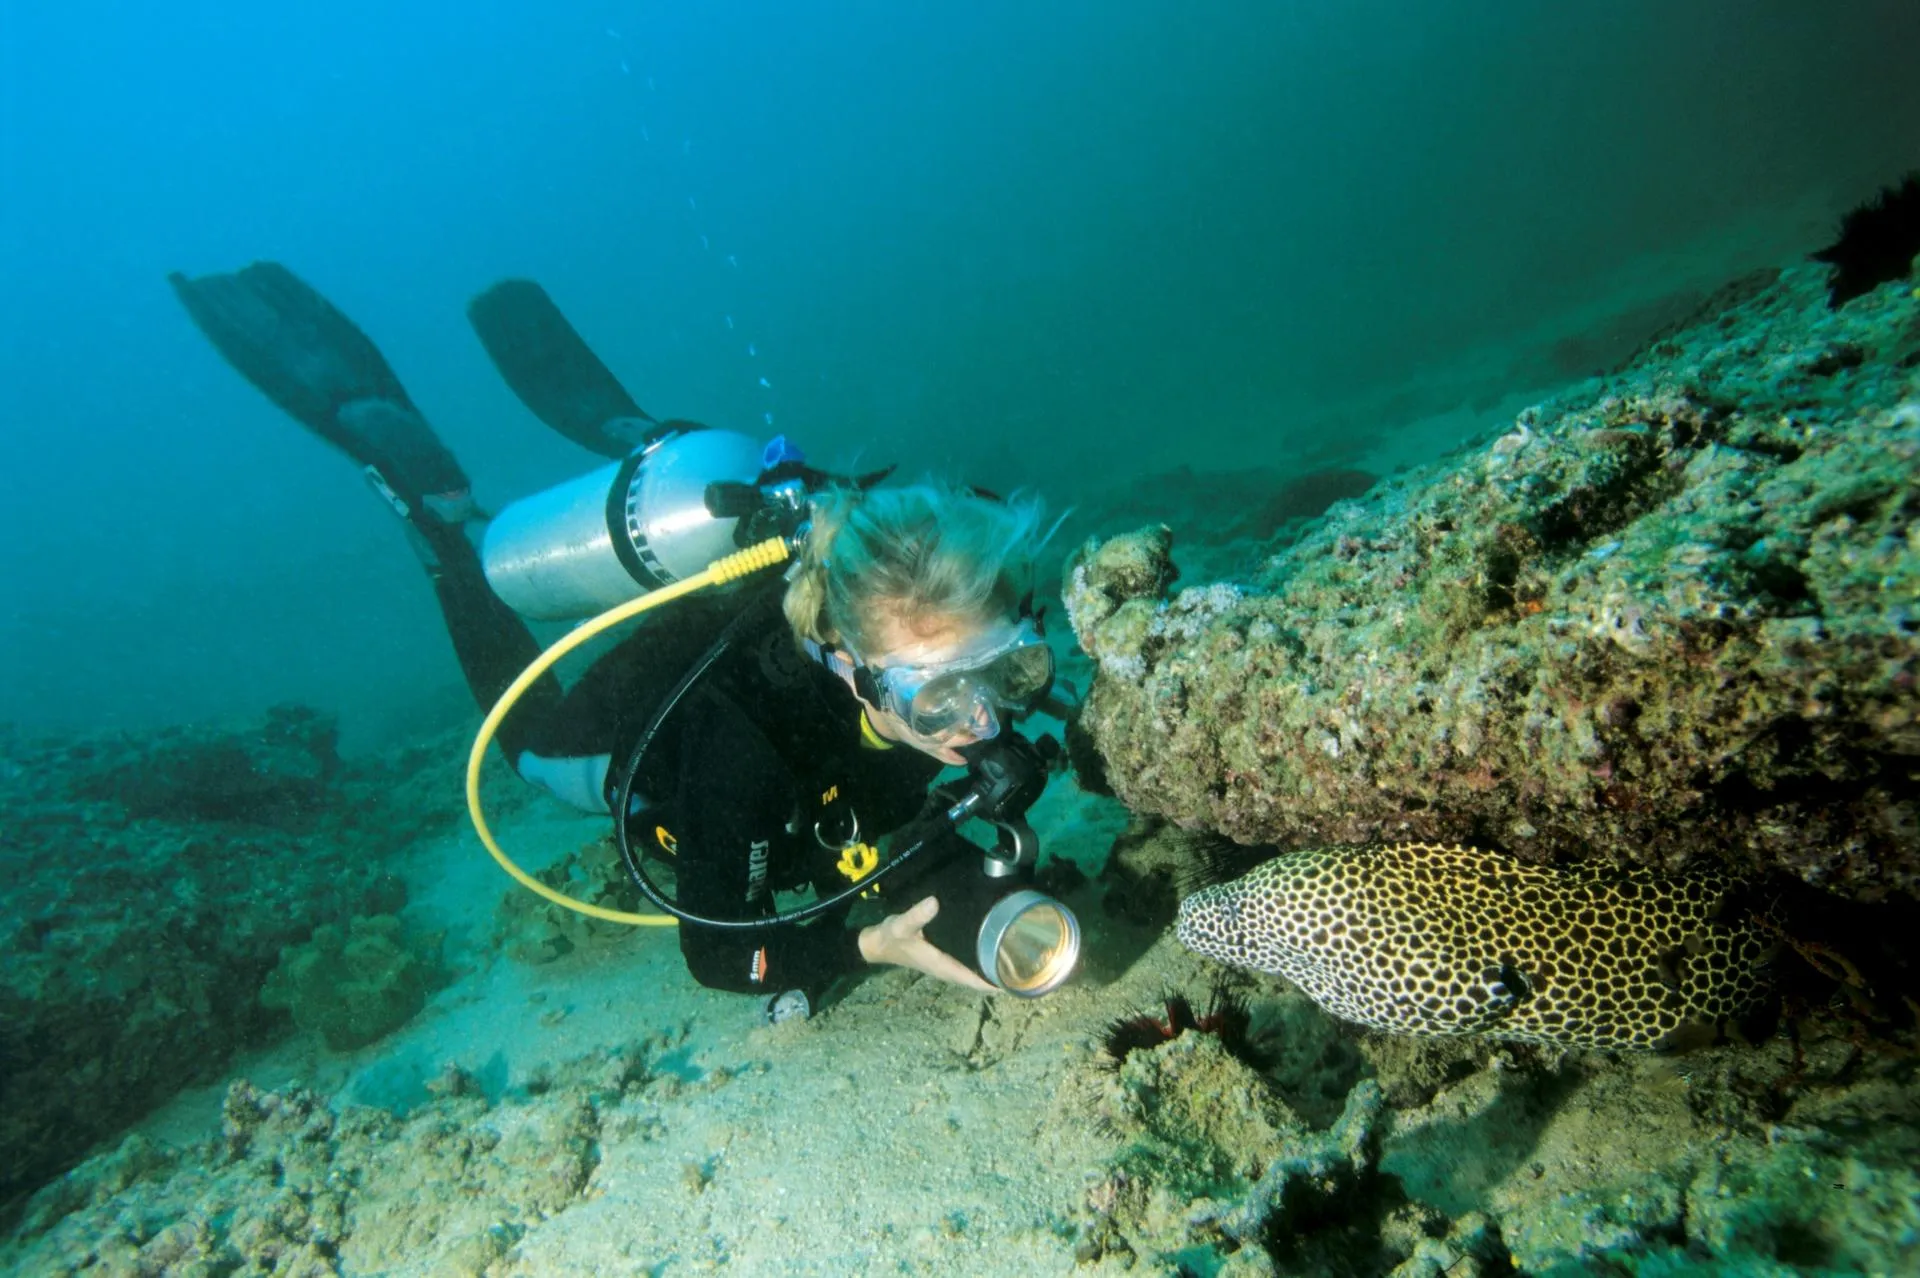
292,1186
1673,615
530,929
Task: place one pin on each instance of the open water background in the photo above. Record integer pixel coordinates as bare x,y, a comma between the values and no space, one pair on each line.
1060,244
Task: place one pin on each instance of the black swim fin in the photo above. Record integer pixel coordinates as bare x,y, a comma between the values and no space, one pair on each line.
315,363
553,370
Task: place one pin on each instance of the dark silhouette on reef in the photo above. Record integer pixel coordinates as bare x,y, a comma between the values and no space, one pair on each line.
1878,242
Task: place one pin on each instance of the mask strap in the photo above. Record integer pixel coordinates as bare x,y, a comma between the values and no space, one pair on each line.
1038,616
837,660
870,735
841,663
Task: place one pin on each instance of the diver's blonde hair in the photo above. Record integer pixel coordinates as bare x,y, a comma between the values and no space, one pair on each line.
913,552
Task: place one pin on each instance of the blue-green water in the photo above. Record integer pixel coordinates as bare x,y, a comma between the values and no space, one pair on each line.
1059,244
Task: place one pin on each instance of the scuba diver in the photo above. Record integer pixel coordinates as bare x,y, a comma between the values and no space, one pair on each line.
749,743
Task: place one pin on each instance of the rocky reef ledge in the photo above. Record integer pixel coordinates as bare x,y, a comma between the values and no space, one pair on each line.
1672,614
166,894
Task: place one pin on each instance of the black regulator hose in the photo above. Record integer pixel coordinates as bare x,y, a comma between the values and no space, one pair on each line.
1005,784
930,826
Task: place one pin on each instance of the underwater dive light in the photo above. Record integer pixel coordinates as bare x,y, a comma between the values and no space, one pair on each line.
1022,940
1019,938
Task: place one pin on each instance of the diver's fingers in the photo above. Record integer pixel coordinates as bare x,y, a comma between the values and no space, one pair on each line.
937,963
930,958
899,940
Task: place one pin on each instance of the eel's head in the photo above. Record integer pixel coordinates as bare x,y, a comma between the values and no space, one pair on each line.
1214,922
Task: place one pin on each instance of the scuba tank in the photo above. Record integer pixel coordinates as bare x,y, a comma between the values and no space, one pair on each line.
653,518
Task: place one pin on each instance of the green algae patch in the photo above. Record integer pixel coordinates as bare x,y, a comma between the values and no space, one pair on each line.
356,986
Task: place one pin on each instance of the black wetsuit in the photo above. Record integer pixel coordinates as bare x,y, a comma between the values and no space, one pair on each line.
757,780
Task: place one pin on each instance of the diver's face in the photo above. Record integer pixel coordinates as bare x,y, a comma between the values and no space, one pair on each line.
922,641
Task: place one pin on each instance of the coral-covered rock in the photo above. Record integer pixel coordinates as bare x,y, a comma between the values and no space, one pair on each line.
1200,1128
276,775
1674,615
355,985
134,946
531,929
290,1186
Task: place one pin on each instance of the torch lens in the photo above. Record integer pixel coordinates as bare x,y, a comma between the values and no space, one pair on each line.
1029,943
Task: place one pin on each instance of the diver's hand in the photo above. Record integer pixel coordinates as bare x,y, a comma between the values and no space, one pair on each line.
897,939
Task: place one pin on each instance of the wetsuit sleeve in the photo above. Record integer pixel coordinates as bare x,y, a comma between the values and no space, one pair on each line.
734,799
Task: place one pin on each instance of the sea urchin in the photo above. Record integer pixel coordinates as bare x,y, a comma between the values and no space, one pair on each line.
1878,242
1227,1018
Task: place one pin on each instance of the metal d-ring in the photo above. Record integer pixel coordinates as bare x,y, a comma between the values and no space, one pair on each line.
851,839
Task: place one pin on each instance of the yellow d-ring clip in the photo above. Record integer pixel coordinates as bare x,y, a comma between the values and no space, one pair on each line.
858,860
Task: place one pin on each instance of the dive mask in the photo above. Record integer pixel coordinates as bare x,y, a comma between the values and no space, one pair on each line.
1009,671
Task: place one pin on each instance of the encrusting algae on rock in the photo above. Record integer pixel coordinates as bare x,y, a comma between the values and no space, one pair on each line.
1428,940
1666,618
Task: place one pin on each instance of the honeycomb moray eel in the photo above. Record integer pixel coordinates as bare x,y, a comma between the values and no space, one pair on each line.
1421,939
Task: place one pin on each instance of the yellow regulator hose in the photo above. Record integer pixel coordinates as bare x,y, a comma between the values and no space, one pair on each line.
732,567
